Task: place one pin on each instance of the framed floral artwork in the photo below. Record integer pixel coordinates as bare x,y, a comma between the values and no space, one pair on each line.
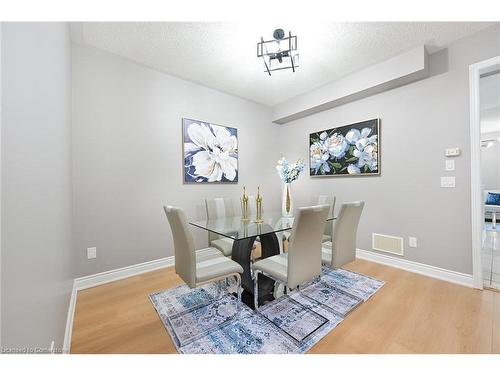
346,151
210,152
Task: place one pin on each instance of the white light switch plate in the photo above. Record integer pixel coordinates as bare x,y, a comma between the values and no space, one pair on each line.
448,182
91,253
412,241
450,165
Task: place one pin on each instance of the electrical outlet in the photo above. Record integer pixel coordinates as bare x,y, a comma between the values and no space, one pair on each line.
412,241
92,253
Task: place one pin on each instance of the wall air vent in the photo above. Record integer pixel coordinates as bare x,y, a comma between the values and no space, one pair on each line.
388,244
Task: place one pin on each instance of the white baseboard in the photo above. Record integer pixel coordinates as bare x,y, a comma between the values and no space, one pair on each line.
90,281
69,321
122,273
420,268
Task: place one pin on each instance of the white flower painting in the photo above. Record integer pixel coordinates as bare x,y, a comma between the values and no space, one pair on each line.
347,150
210,152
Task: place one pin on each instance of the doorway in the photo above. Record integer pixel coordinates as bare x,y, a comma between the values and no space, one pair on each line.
489,104
485,172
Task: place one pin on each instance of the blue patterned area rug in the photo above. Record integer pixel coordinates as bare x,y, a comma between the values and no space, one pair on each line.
198,323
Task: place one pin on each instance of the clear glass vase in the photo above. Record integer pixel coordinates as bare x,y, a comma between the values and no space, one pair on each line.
287,202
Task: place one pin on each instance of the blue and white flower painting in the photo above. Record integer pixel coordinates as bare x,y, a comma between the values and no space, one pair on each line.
347,150
210,152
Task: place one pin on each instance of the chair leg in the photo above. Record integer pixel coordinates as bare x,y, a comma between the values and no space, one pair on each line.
256,290
219,289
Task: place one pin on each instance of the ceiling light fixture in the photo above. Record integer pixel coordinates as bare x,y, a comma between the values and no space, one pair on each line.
279,53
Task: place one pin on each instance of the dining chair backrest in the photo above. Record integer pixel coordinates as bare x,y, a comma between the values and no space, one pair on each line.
218,208
185,256
329,200
304,251
344,233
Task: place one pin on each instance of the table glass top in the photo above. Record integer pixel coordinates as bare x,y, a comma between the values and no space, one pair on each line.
238,229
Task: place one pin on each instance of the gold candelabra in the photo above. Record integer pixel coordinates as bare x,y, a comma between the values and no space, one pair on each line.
258,201
244,206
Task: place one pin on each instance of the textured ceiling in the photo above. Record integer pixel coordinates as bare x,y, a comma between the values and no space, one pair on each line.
223,55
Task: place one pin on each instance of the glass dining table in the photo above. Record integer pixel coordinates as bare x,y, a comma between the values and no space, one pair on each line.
244,233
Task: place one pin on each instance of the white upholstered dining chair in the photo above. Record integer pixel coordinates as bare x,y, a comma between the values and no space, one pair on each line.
342,249
198,267
330,201
320,200
219,208
302,262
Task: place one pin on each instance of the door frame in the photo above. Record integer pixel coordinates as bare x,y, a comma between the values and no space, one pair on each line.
1,116
475,72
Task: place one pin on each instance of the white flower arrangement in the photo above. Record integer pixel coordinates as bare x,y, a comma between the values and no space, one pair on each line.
289,172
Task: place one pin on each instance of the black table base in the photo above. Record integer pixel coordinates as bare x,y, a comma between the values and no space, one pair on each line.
241,253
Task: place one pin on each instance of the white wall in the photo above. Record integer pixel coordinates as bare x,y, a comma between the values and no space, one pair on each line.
418,121
37,259
128,160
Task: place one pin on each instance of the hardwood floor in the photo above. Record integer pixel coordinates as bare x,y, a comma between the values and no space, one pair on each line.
410,314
